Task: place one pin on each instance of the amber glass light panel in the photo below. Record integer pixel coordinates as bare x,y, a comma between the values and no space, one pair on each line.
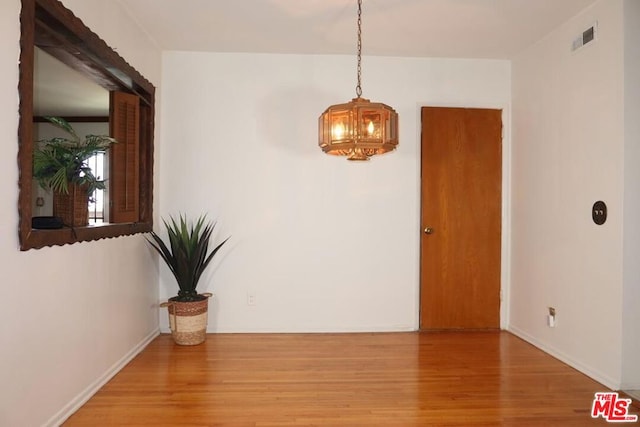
340,126
370,125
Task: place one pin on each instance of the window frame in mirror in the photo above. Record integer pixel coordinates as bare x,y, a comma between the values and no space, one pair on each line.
70,41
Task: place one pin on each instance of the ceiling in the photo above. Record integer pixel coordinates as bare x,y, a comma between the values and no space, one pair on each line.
416,28
419,28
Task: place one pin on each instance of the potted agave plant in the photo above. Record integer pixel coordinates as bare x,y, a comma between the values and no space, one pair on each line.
60,164
187,255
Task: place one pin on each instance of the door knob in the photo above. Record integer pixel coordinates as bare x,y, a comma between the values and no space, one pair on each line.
428,230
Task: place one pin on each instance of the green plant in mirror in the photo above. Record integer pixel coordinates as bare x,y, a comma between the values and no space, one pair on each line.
59,162
187,254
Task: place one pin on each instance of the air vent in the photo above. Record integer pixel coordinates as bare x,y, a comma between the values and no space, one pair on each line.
587,36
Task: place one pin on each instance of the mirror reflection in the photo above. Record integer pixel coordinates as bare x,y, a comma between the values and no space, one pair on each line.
60,91
67,71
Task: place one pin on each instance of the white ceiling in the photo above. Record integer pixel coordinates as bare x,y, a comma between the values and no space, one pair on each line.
424,28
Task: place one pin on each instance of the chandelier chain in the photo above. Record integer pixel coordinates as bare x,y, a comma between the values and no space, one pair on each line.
359,85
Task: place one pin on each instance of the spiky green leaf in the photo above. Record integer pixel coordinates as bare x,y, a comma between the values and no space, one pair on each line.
187,251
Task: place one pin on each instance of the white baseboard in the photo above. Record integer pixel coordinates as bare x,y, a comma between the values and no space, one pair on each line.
594,374
75,404
630,386
303,330
311,330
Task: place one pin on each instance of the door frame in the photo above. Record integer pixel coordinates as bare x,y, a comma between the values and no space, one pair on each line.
505,238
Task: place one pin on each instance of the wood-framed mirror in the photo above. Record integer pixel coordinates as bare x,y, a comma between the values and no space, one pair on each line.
47,26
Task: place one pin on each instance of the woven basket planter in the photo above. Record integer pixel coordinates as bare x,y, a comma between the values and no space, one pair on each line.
188,320
73,208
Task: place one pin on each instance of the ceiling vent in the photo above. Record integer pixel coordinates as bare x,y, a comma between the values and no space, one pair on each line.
587,36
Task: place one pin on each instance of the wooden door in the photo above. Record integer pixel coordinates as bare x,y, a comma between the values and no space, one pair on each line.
461,218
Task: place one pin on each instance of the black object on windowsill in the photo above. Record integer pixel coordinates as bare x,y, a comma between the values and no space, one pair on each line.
46,222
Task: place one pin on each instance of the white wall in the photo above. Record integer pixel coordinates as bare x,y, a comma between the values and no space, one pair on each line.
324,244
69,314
631,286
568,147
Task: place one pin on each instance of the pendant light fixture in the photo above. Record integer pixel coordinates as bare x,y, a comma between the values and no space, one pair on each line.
360,128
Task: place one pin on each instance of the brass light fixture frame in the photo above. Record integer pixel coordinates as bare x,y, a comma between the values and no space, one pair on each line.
360,128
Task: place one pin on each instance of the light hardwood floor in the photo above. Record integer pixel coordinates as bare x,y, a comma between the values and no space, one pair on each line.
382,379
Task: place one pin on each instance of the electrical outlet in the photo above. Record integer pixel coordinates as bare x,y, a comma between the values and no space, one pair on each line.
251,298
551,318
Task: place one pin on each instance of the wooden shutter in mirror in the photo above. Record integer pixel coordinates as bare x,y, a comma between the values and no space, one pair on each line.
124,160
